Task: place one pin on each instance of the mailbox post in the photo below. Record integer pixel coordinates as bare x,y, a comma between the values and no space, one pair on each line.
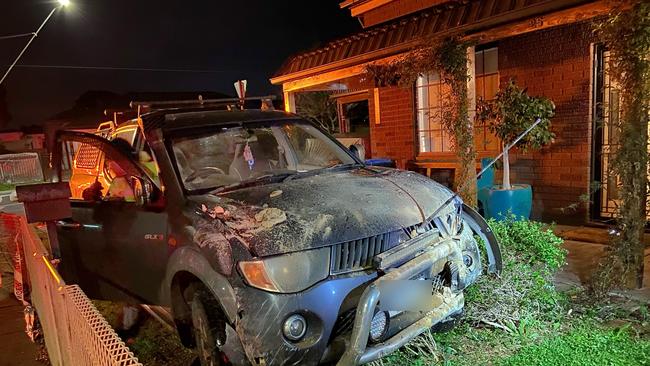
47,202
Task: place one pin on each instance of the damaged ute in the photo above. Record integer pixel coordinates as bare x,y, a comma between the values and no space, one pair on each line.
267,240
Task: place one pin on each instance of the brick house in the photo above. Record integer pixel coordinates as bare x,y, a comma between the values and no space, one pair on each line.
547,46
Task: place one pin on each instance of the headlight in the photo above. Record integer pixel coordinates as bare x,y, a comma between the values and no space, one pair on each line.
287,273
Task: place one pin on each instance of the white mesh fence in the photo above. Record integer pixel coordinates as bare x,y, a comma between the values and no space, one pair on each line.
75,332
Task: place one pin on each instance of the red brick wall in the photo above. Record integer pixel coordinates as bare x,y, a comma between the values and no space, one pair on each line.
555,63
396,9
393,137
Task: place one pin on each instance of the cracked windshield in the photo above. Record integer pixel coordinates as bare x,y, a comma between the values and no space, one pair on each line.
237,154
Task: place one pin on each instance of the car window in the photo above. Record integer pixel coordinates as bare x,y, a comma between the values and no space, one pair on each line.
111,176
232,155
144,156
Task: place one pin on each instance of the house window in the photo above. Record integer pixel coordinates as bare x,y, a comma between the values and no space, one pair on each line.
486,74
432,137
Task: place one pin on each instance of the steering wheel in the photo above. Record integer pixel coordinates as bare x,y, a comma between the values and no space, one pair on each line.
204,172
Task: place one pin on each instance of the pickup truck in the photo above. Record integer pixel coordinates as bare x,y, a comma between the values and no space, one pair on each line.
269,242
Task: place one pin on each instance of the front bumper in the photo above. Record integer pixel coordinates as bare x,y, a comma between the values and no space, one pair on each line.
427,255
422,256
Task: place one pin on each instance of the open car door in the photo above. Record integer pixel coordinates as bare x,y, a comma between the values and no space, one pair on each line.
115,245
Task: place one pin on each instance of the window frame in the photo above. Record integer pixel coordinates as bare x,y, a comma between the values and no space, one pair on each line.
445,136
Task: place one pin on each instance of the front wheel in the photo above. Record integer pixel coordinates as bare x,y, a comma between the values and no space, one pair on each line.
208,329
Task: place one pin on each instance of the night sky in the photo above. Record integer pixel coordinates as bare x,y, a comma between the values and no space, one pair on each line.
238,39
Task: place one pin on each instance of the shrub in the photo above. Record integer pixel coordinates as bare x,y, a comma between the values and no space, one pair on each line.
524,290
529,242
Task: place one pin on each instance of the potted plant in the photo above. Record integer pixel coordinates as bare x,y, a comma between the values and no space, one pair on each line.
512,112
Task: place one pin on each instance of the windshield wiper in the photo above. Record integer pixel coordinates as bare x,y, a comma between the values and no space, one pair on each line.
335,167
262,179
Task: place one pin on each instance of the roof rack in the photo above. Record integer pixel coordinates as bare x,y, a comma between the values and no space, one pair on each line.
155,105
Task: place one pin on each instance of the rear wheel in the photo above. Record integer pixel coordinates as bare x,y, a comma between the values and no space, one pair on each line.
209,329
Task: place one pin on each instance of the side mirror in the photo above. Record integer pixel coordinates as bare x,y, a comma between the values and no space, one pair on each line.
359,151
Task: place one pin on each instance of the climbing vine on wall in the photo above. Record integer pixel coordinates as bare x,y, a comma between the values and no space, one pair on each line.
449,59
626,34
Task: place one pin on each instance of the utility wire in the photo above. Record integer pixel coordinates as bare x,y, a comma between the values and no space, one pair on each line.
75,67
17,36
27,46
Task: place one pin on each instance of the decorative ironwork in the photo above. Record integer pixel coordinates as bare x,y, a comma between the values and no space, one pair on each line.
607,114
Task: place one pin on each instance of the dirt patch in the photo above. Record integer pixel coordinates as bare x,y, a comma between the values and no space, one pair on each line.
150,341
245,221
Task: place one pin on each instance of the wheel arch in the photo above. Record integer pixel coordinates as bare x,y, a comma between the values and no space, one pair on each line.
483,230
187,266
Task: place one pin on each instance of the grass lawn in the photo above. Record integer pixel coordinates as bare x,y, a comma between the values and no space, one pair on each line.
620,337
584,346
149,341
7,187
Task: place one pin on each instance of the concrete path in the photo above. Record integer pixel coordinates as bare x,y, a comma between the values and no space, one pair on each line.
15,347
586,246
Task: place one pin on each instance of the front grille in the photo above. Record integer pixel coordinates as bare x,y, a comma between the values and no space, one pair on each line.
358,254
414,230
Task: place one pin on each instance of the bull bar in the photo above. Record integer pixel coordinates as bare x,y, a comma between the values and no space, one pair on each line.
425,252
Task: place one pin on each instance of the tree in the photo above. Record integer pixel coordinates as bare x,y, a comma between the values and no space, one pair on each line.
512,112
318,107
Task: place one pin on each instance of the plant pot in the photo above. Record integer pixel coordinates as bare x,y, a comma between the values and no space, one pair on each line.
503,202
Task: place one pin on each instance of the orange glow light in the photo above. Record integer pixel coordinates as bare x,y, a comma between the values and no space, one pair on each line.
255,274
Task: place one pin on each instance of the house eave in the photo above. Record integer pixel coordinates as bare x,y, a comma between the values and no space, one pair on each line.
547,14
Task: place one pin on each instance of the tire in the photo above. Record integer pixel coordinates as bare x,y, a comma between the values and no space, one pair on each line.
208,328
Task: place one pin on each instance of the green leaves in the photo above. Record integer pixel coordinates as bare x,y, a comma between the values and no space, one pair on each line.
587,345
625,34
513,111
530,241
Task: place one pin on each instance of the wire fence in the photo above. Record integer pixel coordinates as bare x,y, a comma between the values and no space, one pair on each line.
75,332
20,168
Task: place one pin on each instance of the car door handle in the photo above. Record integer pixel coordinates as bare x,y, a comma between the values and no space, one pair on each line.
69,225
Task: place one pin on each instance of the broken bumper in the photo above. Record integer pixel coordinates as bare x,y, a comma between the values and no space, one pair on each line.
431,257
426,256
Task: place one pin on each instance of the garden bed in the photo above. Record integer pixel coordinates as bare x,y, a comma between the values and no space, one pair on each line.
520,318
149,340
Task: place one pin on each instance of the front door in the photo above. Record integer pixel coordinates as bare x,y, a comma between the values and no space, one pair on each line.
114,246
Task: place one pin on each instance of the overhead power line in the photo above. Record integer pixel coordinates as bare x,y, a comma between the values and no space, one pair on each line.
110,68
22,52
17,36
